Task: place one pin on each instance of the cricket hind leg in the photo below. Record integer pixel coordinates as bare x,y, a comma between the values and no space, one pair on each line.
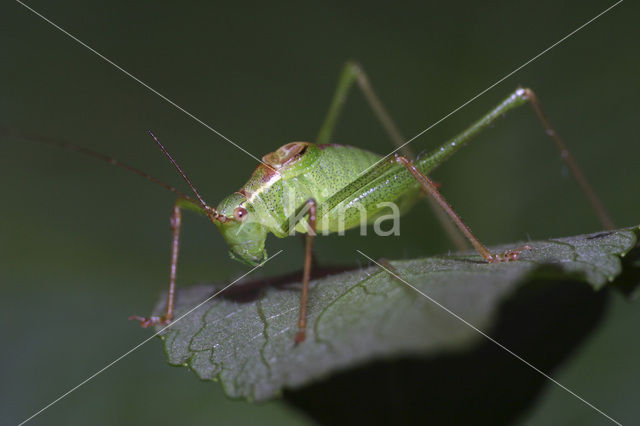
595,202
311,207
176,223
429,186
352,73
517,98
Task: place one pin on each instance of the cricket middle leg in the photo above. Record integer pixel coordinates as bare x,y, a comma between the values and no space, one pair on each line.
306,276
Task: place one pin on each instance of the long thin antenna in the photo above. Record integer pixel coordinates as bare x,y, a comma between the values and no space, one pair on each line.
94,154
211,212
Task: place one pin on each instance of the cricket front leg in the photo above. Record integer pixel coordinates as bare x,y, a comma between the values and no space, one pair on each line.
311,207
429,187
176,222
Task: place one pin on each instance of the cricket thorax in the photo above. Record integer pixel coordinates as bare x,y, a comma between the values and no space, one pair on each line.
263,190
286,154
291,159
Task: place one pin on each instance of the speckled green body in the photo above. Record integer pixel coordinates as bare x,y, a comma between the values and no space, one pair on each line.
321,172
328,174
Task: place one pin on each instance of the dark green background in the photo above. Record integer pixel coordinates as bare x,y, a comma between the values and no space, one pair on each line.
85,245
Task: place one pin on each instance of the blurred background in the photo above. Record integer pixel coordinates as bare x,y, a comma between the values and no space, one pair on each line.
84,244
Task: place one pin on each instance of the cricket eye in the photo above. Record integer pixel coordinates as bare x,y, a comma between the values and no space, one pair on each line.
240,214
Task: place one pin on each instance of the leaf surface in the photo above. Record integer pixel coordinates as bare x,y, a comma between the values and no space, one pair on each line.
244,336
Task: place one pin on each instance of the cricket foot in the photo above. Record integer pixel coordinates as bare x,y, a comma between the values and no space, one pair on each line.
150,321
508,256
300,337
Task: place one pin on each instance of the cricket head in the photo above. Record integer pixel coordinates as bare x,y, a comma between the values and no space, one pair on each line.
245,235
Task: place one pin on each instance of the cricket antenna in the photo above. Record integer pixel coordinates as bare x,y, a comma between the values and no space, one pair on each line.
94,154
211,212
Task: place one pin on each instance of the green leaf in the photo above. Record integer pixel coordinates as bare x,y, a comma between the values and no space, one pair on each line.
244,337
